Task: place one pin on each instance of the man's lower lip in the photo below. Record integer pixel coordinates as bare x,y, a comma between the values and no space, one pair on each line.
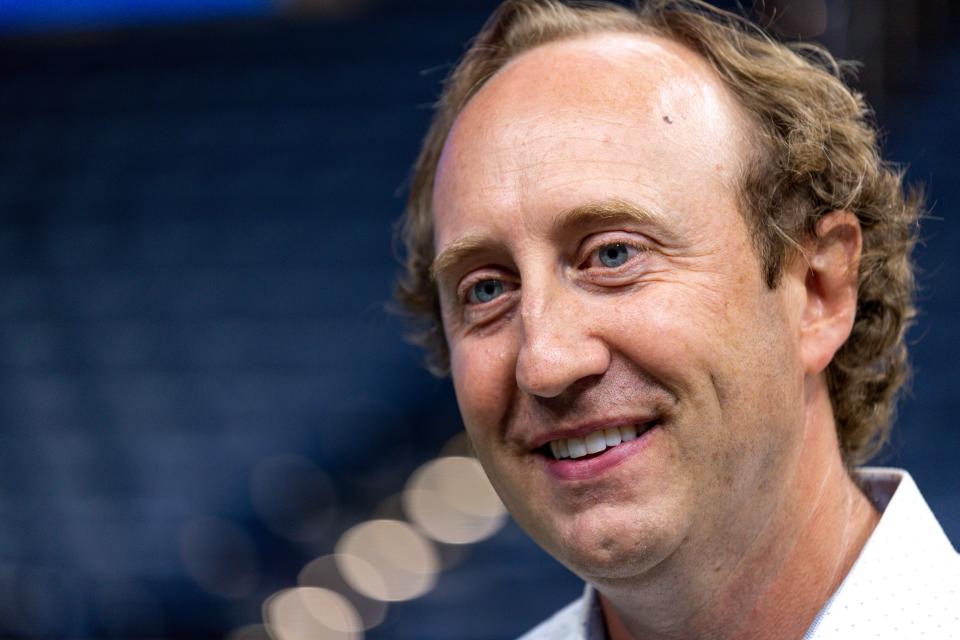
592,467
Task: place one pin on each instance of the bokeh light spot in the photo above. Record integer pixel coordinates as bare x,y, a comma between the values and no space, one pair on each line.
387,560
451,500
323,572
311,613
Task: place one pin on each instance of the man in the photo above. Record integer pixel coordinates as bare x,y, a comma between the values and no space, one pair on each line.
669,274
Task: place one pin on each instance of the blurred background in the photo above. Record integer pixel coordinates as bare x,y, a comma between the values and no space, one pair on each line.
208,420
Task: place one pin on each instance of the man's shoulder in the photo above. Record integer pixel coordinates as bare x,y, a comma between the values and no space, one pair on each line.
565,624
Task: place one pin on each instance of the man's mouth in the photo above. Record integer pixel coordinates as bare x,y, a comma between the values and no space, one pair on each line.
596,443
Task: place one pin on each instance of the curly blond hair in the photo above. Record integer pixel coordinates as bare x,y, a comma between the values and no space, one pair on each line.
819,152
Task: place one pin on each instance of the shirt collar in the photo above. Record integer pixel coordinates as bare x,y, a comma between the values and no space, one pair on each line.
901,568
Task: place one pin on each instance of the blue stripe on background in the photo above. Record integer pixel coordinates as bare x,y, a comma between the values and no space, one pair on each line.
40,15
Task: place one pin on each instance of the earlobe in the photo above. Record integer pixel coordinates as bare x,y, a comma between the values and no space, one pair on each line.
833,260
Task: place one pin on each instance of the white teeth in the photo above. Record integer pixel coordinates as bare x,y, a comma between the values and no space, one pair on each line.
592,443
555,448
596,442
577,446
612,436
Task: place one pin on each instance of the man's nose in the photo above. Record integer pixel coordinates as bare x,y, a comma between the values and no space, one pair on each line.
559,344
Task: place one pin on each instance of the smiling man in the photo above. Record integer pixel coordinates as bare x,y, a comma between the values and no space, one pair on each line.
669,274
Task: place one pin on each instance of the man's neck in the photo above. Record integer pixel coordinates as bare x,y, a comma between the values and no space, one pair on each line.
783,577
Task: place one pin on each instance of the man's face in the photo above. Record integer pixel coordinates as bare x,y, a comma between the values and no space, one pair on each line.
595,273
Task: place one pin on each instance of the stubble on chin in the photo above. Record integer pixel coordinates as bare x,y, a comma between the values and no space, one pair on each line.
609,545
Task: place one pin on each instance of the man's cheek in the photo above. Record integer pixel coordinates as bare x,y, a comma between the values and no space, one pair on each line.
482,378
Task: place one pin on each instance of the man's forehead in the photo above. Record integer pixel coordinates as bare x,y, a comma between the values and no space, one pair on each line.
583,101
617,72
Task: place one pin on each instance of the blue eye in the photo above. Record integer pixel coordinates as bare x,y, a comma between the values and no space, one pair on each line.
486,290
614,255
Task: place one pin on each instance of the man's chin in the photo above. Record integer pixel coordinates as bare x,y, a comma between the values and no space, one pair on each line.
606,547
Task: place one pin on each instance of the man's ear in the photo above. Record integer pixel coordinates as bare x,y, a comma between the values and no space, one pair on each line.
832,263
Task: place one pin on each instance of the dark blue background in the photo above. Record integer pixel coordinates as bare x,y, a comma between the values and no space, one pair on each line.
195,258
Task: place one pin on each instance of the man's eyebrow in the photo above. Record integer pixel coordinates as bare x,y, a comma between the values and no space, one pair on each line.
612,210
459,250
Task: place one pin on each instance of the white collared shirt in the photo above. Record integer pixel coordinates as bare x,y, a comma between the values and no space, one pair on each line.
904,584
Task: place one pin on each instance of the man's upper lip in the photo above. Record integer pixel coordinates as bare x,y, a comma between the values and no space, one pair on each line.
582,429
